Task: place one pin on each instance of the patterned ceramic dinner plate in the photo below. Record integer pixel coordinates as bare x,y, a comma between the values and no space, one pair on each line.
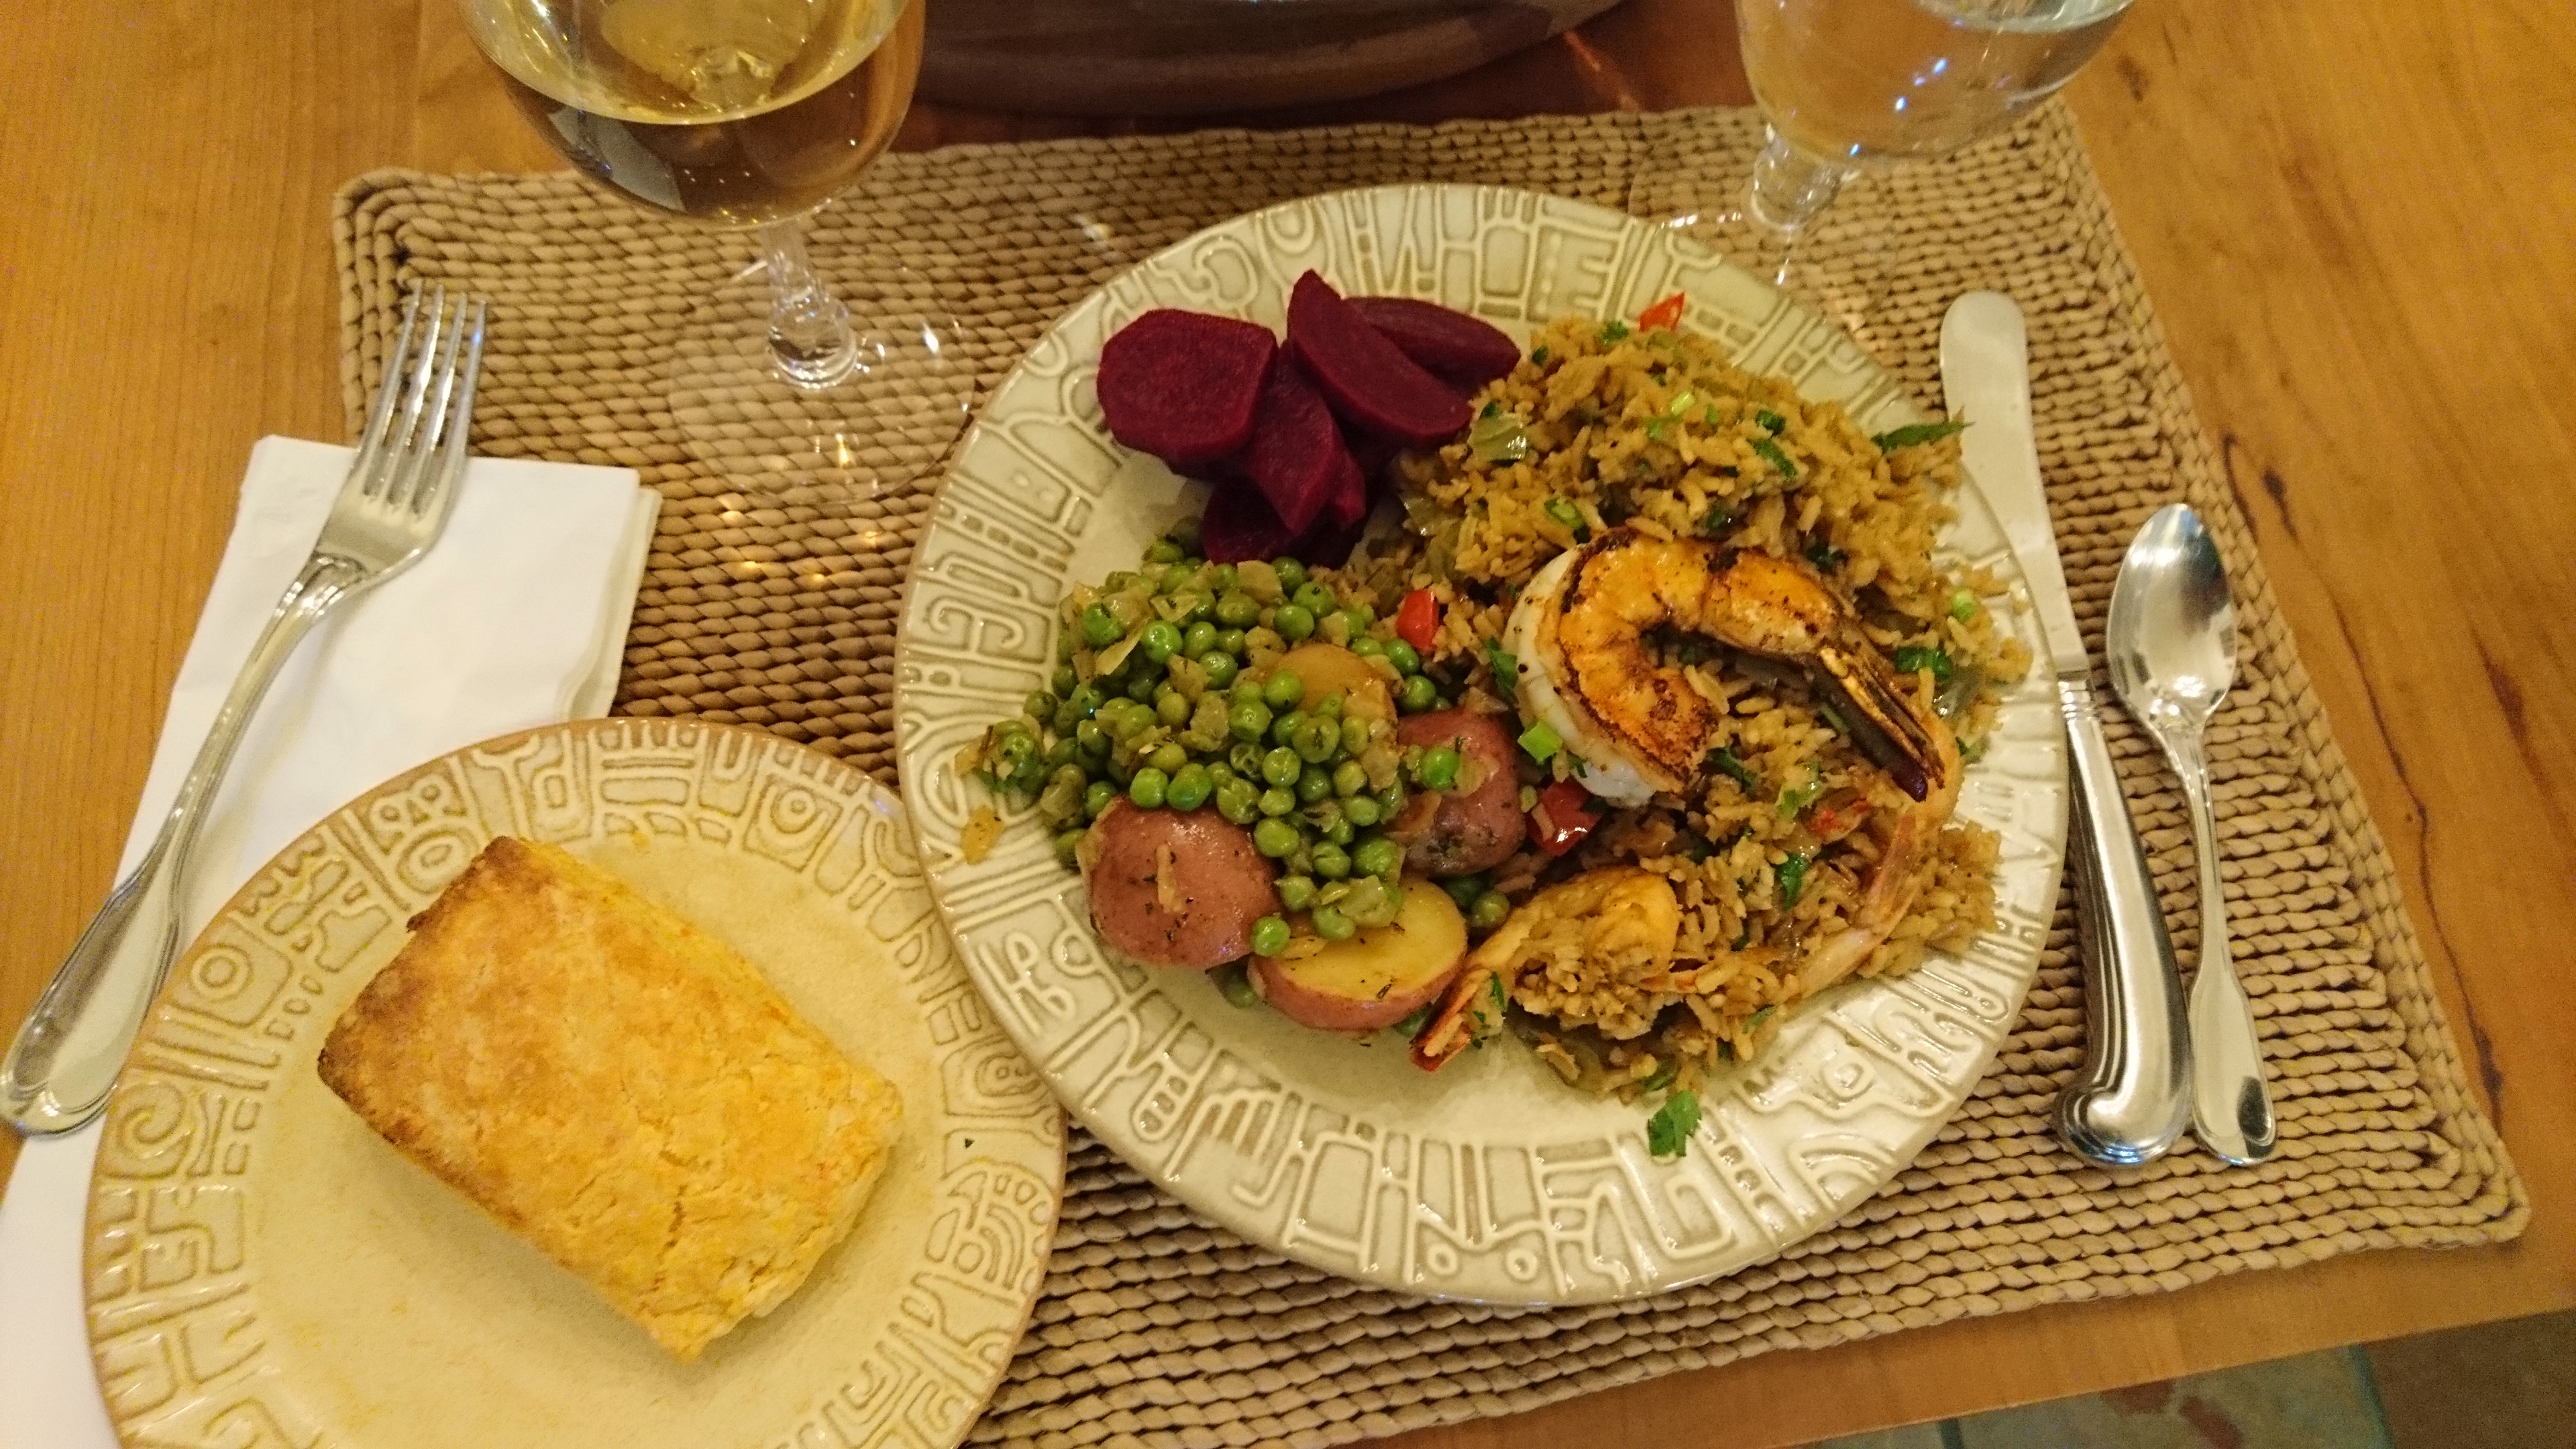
1491,1180
263,1269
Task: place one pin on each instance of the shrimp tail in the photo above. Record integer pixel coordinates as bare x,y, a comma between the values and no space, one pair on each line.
1885,723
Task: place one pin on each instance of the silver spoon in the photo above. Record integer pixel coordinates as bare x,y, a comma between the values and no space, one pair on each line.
2172,647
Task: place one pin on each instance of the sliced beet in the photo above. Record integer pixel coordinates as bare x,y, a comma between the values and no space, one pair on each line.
1453,346
1329,545
1350,496
1183,385
1296,458
1239,524
1369,383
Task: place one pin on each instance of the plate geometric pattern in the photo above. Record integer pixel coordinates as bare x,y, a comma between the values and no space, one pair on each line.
193,1200
1490,1181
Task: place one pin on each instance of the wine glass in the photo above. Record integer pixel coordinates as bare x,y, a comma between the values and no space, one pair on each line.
1849,85
749,114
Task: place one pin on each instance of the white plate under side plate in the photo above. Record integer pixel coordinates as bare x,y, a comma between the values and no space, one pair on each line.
1491,1180
263,1268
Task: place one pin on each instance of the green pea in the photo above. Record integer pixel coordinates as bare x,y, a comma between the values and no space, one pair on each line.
1171,707
1357,618
1176,577
1091,740
1281,766
1190,787
1349,778
1439,768
1464,889
1220,666
1418,694
1231,641
1377,855
1017,749
1039,705
1489,911
1198,639
1221,578
1248,720
1277,801
1353,735
1315,784
1246,760
1162,551
1331,924
1296,892
1148,786
1298,861
1329,707
1141,688
1197,606
1066,843
1295,622
1099,628
1283,728
1065,718
1063,681
1087,700
1236,800
1331,861
1362,811
1322,814
1292,574
1368,648
1274,837
1236,610
1247,690
1161,640
1168,757
1269,936
1124,723
1096,798
1236,985
1315,599
1404,657
1063,752
1283,689
1340,832
1220,771
1316,741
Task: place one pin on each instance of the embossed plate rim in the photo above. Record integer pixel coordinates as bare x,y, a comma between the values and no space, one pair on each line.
990,533
1034,1151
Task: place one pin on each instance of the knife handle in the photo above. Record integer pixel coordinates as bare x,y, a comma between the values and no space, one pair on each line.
2133,1098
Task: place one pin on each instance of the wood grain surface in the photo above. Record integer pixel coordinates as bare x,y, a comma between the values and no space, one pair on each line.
2358,224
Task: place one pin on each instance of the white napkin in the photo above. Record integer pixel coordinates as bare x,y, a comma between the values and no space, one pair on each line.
516,618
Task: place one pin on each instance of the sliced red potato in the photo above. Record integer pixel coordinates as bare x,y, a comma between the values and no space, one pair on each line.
1176,888
1464,831
1376,978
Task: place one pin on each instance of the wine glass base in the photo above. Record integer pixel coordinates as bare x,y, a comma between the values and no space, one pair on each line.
825,429
1838,263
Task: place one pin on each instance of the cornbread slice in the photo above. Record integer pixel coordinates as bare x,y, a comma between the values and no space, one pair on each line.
617,1087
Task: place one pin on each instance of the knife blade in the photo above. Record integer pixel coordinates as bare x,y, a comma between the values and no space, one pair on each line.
2133,1098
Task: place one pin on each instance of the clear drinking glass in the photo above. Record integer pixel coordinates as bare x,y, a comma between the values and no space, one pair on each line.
745,114
1846,85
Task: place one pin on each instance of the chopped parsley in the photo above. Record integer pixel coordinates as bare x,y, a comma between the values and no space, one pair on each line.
1662,1078
1915,435
1769,452
1717,520
1613,331
1668,1132
1539,357
1794,799
1725,762
1507,669
1771,422
1825,556
1792,876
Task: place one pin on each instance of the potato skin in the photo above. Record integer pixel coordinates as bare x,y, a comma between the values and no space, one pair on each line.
1476,830
1223,884
1377,977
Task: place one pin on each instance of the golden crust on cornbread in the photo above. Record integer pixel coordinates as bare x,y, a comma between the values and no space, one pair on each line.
619,1088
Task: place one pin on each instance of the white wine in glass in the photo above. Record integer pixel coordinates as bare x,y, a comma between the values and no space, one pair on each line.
1848,84
742,113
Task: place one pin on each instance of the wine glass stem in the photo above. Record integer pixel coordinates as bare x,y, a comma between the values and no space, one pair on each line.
1790,188
810,342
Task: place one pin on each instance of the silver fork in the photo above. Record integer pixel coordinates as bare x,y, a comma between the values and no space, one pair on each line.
388,513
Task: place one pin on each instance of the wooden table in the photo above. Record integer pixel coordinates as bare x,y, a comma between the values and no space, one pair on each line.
2358,223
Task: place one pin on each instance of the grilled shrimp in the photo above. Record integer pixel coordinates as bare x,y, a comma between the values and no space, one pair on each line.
1580,631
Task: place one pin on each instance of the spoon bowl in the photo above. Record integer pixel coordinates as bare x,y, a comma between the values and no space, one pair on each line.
2171,642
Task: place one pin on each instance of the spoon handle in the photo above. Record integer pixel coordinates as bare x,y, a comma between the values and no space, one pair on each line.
2133,1098
2231,1108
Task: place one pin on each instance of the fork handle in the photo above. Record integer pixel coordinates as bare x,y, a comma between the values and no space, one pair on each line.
58,1072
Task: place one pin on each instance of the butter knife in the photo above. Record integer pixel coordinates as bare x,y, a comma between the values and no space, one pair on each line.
2133,1098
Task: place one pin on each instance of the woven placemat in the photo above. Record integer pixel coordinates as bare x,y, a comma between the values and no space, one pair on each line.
1158,1328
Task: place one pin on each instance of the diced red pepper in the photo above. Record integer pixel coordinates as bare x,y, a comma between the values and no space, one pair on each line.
1417,620
1564,814
1666,314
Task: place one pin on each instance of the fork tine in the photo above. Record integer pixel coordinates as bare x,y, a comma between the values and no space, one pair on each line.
371,444
439,490
388,465
439,364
